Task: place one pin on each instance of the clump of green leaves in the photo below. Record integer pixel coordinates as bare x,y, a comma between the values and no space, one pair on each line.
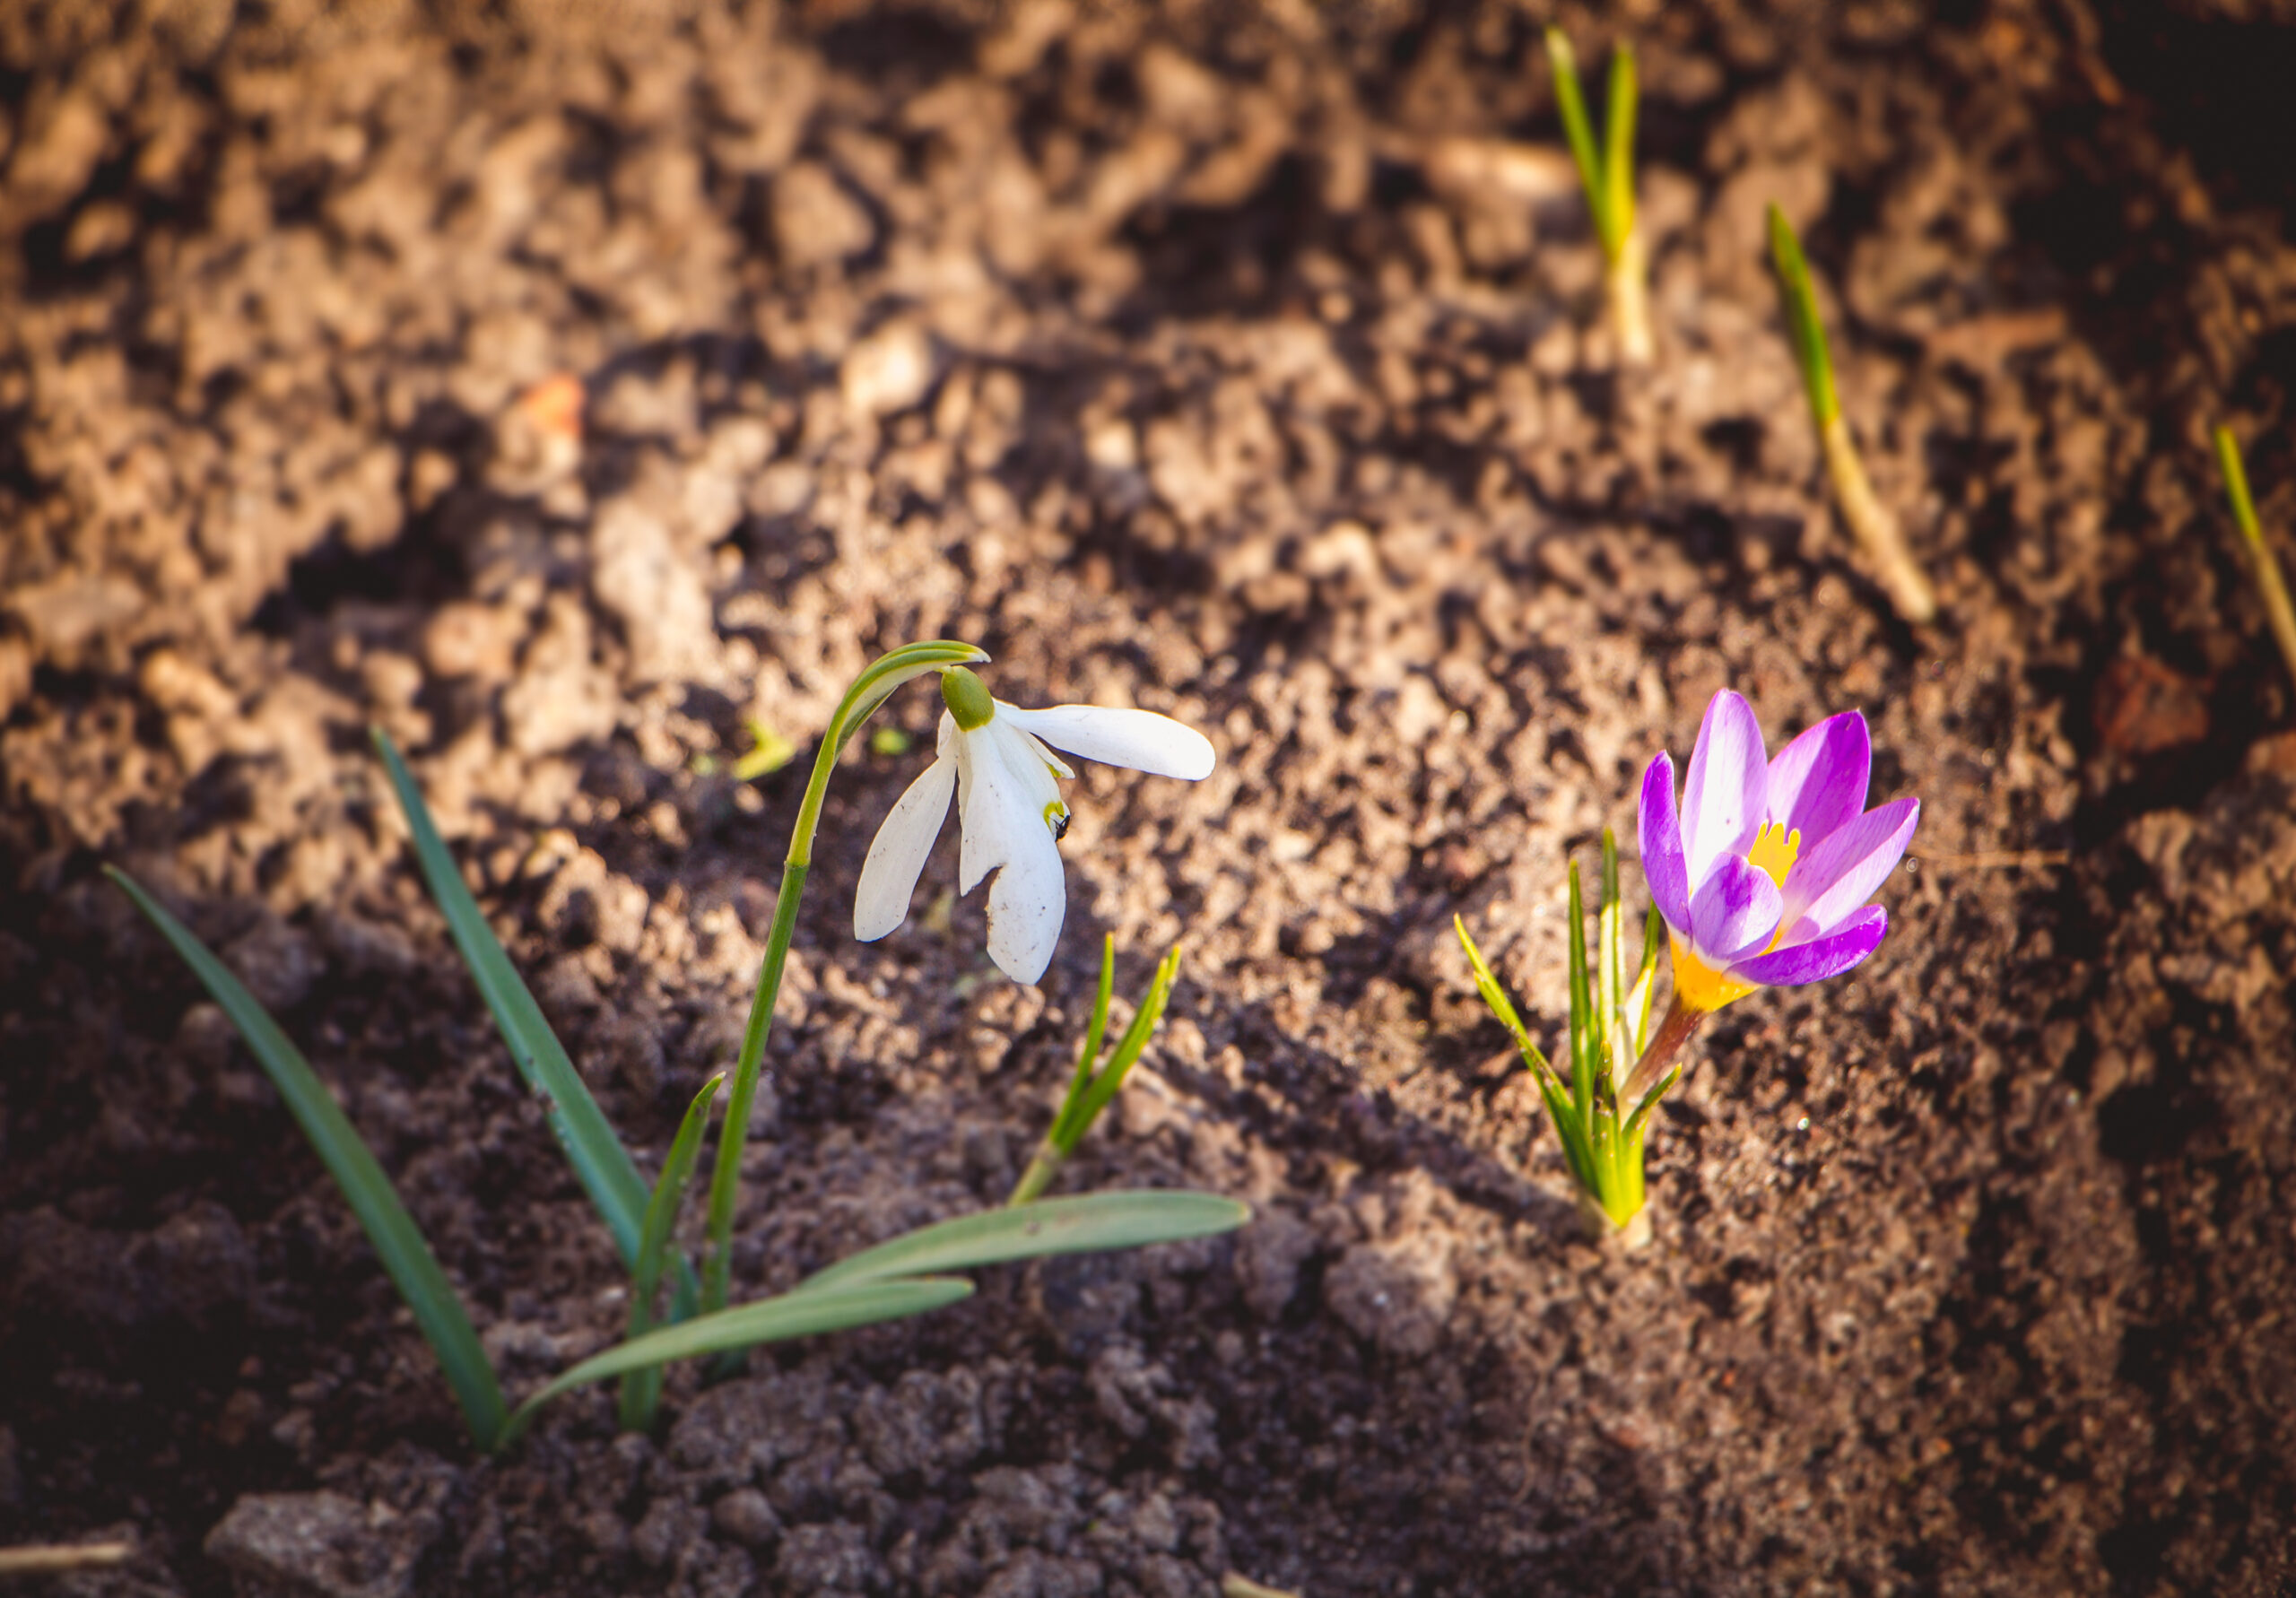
2272,586
1606,172
906,1276
1091,1091
1871,522
1602,1134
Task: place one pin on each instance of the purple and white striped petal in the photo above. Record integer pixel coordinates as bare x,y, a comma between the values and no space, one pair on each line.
1820,958
1733,912
1722,798
1818,782
1828,882
1661,834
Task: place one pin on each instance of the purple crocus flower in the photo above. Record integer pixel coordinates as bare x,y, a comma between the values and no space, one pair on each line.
1764,878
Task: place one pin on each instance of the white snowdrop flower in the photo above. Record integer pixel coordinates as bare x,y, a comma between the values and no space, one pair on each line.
993,760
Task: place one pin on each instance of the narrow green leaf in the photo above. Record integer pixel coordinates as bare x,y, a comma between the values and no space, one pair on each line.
1571,105
1095,1030
641,1390
1096,1222
2272,584
601,1163
1650,1102
408,1259
1585,1031
1618,153
1799,300
1495,998
746,1325
1129,1049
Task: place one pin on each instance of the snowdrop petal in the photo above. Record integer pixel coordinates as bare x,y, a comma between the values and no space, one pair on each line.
1139,739
1722,798
1026,905
1733,912
1661,834
989,794
1830,881
1820,958
897,856
1818,782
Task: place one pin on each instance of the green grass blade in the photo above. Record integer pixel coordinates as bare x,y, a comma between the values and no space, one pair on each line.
746,1325
601,1163
1618,153
1799,300
1586,1027
1571,105
641,1390
2272,585
1094,1222
1495,999
1095,1030
408,1259
1103,1087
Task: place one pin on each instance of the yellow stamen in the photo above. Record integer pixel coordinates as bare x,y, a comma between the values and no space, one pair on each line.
1774,851
1700,986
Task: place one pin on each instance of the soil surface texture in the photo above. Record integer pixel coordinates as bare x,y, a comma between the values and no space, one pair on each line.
565,386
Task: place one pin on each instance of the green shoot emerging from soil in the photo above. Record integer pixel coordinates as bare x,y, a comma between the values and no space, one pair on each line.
906,1276
1610,1023
1871,523
2271,585
1607,173
1090,1091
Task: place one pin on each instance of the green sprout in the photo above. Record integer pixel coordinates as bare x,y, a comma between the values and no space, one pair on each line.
1608,174
909,1276
2270,584
1870,521
1090,1091
889,741
1602,1135
768,751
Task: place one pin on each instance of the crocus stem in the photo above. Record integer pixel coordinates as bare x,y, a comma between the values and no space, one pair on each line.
1043,1167
1875,529
1681,1020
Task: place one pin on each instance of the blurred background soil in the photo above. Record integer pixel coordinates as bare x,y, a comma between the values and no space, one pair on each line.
563,386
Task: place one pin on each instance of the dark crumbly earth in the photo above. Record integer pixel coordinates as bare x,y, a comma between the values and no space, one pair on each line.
1240,361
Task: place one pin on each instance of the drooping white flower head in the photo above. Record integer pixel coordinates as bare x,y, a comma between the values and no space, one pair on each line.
993,760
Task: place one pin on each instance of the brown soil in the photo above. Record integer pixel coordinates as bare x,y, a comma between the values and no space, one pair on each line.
1184,359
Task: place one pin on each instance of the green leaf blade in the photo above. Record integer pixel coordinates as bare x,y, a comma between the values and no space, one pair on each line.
1090,1224
641,1390
601,1163
1799,298
406,1255
746,1325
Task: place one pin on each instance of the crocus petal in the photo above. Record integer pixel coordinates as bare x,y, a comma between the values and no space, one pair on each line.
1830,881
1662,844
1733,912
1820,958
897,856
1722,798
1140,739
1818,782
1026,905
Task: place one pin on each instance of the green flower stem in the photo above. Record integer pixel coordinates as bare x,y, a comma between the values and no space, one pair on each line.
1043,1167
1876,530
2271,585
1682,1021
870,690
